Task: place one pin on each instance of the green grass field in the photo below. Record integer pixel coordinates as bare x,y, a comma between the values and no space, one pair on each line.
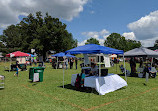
20,94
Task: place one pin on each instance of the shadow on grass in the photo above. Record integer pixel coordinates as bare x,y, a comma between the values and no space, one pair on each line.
2,88
8,70
82,89
33,83
121,74
144,84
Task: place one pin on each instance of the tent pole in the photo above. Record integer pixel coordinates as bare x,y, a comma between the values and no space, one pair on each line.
5,62
116,66
63,75
125,68
57,63
84,60
90,62
99,71
151,61
63,71
10,65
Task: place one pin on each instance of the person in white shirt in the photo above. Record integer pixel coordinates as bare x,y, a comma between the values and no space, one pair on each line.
94,69
153,71
66,63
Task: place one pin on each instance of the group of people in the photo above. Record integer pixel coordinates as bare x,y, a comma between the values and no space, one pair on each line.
151,70
148,68
33,60
71,62
80,77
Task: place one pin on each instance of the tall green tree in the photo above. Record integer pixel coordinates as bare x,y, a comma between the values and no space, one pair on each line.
117,41
156,43
40,33
92,41
12,37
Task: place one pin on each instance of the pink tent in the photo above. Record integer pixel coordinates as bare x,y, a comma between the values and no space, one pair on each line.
17,54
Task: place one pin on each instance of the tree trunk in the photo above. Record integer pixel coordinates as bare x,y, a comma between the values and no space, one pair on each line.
44,55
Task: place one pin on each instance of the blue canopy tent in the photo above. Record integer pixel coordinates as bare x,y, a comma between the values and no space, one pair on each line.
95,49
31,55
62,54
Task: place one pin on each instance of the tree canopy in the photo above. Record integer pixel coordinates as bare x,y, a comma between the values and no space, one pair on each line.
92,41
39,33
117,41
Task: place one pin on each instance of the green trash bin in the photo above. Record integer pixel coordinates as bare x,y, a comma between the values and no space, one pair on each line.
36,71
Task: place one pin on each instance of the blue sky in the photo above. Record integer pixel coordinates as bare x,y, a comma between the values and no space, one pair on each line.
112,15
134,19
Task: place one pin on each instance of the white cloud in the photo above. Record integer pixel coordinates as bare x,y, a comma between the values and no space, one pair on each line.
95,34
100,35
66,9
105,36
146,27
129,35
101,41
91,34
148,42
104,32
82,43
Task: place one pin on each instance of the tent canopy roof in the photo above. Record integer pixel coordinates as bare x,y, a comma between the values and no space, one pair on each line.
17,54
31,55
62,54
94,49
141,52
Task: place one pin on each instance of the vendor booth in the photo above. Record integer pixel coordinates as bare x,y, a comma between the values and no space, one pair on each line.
102,84
105,59
57,63
20,56
145,53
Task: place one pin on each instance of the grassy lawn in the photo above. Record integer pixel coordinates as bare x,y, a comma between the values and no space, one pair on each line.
22,95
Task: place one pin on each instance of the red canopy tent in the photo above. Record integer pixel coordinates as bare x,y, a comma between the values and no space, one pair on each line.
17,54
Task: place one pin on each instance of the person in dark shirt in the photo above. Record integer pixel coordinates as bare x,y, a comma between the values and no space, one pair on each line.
76,62
146,70
133,66
71,63
141,62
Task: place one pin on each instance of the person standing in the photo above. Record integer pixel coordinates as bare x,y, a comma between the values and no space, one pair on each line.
133,66
141,62
66,63
17,69
76,62
71,63
82,77
32,61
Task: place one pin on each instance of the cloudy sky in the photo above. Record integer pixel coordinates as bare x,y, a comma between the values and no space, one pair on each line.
134,19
